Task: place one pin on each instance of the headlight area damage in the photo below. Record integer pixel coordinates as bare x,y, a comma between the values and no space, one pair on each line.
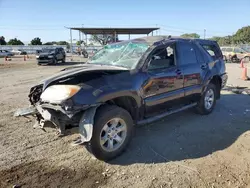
53,107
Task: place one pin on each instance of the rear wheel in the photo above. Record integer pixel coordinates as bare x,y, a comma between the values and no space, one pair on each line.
208,100
112,132
55,61
234,59
63,60
246,59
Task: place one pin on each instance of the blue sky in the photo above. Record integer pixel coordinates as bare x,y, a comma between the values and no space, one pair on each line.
26,19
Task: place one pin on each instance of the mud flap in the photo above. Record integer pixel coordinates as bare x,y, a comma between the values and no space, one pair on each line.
86,126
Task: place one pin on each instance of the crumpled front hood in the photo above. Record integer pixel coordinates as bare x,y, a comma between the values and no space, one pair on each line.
76,70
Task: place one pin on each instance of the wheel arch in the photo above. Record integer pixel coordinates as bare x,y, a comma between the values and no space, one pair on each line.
128,103
217,81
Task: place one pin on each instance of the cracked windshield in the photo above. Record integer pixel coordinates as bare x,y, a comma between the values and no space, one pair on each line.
124,54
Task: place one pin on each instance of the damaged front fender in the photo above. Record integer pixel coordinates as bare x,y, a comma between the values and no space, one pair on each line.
86,124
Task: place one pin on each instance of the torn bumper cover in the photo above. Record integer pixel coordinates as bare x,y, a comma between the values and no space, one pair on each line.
60,118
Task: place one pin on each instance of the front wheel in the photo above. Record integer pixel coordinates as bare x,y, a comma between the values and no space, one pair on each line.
207,101
113,128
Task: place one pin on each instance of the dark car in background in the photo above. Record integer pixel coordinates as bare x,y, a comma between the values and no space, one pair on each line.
51,56
129,83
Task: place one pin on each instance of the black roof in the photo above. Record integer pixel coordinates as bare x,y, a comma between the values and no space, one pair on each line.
118,31
151,40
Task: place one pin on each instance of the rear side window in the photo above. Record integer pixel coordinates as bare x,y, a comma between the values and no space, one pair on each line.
213,51
186,52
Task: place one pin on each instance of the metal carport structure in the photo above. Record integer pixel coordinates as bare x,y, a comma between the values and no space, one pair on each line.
112,31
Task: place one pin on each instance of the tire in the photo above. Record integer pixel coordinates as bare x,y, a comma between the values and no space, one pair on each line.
63,60
55,61
202,108
224,58
247,59
234,59
104,115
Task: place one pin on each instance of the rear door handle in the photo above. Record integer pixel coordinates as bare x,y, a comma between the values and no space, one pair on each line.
178,71
204,66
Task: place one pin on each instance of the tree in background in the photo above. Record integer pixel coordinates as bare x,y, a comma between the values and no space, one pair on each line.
81,42
2,41
103,39
36,41
50,43
64,43
191,35
58,43
242,36
15,41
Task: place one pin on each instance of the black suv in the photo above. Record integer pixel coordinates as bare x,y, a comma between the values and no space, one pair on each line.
51,56
129,83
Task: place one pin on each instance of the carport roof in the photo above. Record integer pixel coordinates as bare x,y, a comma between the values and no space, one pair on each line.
117,31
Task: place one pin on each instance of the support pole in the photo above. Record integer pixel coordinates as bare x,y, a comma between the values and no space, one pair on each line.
129,36
115,36
80,37
82,32
71,46
86,35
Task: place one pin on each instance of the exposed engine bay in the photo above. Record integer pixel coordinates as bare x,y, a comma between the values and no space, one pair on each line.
66,112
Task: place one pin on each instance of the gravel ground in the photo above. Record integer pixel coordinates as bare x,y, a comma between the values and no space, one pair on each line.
182,150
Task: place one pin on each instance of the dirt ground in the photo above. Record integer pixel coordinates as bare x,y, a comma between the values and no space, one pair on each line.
182,150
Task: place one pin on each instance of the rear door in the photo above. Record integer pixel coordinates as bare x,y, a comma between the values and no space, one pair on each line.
191,69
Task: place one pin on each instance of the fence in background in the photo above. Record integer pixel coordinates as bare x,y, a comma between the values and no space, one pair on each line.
31,49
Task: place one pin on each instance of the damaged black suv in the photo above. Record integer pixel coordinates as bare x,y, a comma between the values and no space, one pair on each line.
129,83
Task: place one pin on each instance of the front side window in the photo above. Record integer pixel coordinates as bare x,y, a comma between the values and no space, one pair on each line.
162,58
124,54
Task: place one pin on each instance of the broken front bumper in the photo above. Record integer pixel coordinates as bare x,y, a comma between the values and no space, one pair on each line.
60,118
26,111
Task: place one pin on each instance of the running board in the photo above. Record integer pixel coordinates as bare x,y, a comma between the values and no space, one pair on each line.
157,117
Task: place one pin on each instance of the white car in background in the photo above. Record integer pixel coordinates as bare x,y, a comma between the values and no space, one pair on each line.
5,53
19,52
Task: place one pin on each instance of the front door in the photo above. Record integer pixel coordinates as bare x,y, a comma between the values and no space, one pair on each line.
165,81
